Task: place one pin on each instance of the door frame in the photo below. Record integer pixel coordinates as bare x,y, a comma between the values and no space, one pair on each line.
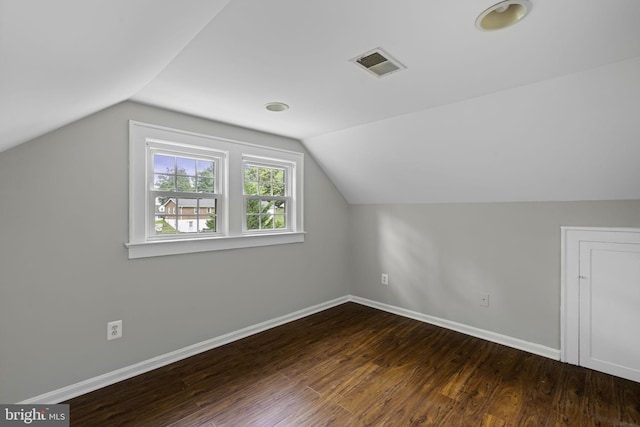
570,280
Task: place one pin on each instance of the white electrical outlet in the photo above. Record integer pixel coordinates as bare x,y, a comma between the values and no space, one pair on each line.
484,300
384,279
114,330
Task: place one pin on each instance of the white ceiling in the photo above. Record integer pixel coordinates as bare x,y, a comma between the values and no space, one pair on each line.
544,110
65,59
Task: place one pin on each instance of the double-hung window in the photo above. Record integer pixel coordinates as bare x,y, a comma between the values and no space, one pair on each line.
190,192
267,195
184,182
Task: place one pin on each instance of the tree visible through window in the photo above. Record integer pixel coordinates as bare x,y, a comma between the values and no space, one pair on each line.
191,192
187,184
266,197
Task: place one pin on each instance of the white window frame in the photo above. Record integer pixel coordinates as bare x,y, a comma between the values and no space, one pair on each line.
289,172
154,146
231,155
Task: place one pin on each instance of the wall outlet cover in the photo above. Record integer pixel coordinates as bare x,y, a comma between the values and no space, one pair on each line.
114,330
484,300
384,279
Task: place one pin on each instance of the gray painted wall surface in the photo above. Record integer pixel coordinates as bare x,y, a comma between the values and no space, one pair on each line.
64,271
440,257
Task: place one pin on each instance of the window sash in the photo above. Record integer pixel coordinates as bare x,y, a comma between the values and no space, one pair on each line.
288,181
189,152
287,214
202,214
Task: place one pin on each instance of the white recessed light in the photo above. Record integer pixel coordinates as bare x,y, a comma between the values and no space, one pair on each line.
503,15
276,106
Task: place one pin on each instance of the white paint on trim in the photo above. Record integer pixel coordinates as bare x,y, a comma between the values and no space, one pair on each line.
519,344
569,283
95,383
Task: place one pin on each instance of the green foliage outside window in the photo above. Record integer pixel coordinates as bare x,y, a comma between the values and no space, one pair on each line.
264,213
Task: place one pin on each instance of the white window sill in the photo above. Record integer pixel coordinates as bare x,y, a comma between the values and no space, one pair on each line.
186,246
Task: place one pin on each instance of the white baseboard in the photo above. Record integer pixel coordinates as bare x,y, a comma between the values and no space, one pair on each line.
530,347
95,383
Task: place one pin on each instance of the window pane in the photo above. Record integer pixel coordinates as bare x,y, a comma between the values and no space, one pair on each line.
278,175
266,214
185,183
187,224
186,166
265,174
205,167
250,188
266,221
253,222
163,164
185,215
161,206
207,205
207,225
186,206
250,173
279,221
164,182
278,189
165,225
253,206
265,205
205,185
265,190
206,176
279,206
208,216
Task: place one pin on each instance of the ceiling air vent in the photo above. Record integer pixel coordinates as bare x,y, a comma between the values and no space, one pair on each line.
378,62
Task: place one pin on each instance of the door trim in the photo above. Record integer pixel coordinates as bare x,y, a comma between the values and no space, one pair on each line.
569,280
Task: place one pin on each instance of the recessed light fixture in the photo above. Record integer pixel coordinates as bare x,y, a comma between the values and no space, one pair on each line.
503,15
276,106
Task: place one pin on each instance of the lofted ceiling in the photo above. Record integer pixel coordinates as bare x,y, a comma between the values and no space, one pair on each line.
544,110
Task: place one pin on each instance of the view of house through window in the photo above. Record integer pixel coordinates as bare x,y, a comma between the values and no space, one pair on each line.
175,215
191,192
175,211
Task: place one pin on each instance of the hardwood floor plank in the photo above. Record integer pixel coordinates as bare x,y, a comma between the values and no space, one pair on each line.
491,421
357,366
538,381
569,396
469,366
627,399
505,365
599,408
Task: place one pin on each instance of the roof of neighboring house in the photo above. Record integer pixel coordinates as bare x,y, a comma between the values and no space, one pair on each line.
192,203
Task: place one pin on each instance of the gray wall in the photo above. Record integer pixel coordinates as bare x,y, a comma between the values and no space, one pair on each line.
440,257
64,271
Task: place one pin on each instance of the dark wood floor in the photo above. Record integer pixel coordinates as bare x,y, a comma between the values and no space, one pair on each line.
355,366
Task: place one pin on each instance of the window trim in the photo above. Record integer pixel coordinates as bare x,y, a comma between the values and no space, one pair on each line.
231,235
289,197
219,159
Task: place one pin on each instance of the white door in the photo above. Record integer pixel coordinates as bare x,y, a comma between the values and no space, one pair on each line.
610,308
601,300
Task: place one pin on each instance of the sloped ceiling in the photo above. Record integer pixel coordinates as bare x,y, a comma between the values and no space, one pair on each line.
543,110
65,59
